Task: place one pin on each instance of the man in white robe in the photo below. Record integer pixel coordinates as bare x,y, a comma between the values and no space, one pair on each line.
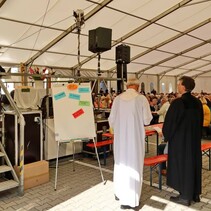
129,113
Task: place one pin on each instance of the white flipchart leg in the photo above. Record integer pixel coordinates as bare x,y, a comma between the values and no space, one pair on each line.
73,155
96,152
57,162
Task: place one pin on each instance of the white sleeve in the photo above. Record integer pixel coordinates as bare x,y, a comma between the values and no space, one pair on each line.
112,116
146,111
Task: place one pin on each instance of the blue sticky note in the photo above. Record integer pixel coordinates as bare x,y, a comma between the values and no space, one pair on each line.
59,96
83,90
74,96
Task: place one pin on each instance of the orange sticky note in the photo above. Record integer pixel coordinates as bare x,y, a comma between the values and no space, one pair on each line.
72,86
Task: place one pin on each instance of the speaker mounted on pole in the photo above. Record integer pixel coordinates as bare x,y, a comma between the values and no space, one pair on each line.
122,59
100,40
123,54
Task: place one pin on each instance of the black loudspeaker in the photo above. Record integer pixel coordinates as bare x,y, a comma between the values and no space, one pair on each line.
99,40
123,54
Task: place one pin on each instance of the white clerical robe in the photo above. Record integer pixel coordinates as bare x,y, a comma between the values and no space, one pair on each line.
130,112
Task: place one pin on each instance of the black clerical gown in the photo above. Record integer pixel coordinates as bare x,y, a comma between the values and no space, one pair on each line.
182,129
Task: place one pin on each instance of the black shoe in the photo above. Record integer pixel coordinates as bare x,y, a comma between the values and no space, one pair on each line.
124,207
179,200
196,198
116,198
174,197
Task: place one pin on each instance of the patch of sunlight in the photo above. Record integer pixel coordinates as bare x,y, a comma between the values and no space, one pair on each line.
88,198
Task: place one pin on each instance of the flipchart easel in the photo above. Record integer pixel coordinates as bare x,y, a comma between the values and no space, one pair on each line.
73,117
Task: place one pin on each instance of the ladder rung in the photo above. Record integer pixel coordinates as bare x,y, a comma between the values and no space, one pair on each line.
4,168
1,154
8,185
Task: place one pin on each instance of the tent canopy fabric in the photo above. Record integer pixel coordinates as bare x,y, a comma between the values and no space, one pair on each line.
166,38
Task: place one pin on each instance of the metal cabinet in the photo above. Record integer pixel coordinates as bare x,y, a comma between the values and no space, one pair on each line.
33,136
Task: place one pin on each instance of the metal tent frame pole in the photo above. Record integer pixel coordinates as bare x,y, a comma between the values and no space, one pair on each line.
22,126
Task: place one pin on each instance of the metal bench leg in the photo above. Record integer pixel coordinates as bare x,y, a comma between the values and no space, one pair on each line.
151,175
104,155
147,141
209,155
160,176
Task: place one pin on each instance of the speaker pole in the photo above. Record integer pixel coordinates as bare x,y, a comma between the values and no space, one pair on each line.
98,65
79,19
78,56
124,72
119,75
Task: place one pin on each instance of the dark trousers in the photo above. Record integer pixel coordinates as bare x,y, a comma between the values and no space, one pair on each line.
205,132
161,148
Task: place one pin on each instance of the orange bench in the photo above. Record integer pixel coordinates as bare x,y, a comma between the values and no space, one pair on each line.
205,148
153,162
102,144
107,135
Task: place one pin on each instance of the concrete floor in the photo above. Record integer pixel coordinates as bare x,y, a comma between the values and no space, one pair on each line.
83,189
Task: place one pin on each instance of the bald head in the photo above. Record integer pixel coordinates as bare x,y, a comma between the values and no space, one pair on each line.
133,83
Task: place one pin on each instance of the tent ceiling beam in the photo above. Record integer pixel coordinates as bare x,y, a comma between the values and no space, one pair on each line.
61,76
170,40
194,3
138,29
31,24
52,52
196,68
150,22
2,3
174,38
66,32
176,55
18,48
186,63
167,39
6,64
199,74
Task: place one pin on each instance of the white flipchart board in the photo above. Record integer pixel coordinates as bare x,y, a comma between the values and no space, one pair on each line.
73,112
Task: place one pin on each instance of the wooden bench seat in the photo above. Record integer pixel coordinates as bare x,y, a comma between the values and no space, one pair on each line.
153,162
205,148
102,144
107,135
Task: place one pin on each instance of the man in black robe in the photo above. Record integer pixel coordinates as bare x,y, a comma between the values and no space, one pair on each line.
182,129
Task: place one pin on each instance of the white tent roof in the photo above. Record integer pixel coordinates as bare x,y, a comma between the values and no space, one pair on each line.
165,37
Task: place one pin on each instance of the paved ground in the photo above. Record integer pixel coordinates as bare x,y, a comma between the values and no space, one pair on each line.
83,189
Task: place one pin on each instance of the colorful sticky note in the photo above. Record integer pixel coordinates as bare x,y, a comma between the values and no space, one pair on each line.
72,86
59,96
74,96
78,113
84,103
83,89
25,90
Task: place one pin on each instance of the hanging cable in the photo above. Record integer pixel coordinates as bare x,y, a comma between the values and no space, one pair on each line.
79,53
79,19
